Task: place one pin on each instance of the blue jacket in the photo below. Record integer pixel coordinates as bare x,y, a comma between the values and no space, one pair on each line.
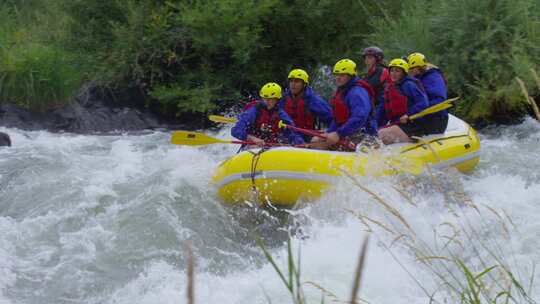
360,107
247,119
435,87
417,100
318,106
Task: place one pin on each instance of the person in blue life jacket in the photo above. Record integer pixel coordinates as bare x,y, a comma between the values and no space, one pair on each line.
377,73
352,108
303,105
434,83
403,97
259,123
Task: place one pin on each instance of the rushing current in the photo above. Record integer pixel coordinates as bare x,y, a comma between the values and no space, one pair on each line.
110,218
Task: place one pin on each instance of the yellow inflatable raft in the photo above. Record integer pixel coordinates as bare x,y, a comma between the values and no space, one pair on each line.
284,175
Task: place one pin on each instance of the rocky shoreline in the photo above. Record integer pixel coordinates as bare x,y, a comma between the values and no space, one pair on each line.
95,111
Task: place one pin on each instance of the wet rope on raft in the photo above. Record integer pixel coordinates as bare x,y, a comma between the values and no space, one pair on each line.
253,172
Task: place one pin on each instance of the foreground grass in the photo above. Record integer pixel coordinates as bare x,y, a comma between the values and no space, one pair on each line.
484,277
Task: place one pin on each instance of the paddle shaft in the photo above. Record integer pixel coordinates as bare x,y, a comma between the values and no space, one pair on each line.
433,109
342,142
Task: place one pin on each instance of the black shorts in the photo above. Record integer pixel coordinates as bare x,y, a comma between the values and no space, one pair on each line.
428,125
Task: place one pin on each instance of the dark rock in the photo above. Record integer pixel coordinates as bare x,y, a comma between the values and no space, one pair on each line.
5,141
100,110
13,116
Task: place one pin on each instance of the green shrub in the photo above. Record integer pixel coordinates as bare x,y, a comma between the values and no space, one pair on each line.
37,76
482,46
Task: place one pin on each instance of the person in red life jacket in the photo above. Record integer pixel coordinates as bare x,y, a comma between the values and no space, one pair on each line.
352,107
377,73
302,104
434,83
259,123
403,97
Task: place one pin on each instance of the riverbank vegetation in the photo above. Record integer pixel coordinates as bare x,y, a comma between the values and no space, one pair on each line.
200,56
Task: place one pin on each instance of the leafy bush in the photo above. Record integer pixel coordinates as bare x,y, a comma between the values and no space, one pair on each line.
198,56
37,76
482,46
34,72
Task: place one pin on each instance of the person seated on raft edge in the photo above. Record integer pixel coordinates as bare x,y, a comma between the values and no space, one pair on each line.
403,97
259,123
377,72
434,83
303,105
352,108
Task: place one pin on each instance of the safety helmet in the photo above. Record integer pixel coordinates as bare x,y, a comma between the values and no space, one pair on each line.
345,66
299,74
400,63
271,90
416,60
373,51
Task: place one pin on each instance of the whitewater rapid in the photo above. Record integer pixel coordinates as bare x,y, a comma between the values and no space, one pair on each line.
106,219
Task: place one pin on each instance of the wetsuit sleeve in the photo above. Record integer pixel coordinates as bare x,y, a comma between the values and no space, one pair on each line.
321,109
416,95
435,88
245,120
293,137
359,104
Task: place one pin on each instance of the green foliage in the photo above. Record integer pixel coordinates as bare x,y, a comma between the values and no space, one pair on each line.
200,55
34,72
482,46
36,76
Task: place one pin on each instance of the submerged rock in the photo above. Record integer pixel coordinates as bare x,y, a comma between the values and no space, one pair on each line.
5,141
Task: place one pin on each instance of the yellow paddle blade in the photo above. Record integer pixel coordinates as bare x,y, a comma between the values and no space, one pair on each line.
436,108
222,119
188,138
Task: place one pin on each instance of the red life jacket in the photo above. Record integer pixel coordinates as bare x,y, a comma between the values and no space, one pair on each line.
299,112
340,110
395,102
250,104
266,123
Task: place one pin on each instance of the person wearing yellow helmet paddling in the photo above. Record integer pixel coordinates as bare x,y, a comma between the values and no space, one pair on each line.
434,83
352,107
260,123
403,97
302,104
377,73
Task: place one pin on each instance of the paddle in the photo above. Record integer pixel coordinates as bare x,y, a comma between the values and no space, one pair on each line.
436,108
222,119
433,109
188,138
342,142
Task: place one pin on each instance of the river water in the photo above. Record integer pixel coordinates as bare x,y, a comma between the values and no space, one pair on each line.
108,219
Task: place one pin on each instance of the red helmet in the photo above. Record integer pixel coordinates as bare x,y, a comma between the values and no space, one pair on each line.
373,51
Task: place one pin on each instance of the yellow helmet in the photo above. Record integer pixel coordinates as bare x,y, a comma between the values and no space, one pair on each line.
345,66
270,90
299,74
400,63
416,60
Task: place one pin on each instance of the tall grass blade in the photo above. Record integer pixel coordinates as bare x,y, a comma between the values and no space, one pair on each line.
359,269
